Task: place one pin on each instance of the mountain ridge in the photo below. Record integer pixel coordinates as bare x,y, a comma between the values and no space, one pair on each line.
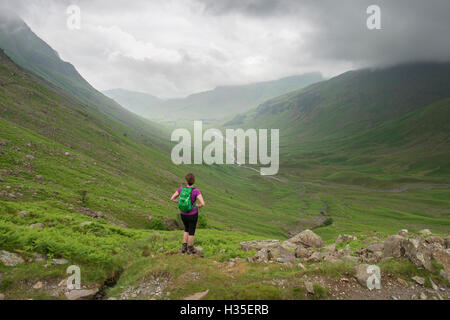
221,102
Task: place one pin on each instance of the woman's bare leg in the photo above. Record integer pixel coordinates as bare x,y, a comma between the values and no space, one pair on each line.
190,240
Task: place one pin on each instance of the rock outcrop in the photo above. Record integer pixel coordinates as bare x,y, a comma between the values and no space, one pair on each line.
10,259
307,238
308,247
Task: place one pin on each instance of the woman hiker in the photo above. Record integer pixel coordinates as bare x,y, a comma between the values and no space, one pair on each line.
189,211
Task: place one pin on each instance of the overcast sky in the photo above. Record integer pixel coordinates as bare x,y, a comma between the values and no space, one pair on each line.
172,48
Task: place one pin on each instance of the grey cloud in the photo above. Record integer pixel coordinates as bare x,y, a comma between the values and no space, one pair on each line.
412,30
177,47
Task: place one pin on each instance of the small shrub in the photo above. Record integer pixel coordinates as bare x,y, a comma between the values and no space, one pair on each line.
202,221
157,223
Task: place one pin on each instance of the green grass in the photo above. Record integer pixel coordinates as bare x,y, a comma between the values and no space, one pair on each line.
62,157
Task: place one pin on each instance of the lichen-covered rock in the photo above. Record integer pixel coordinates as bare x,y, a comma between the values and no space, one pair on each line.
361,274
417,253
10,259
403,233
302,252
345,238
281,252
307,238
258,244
315,257
435,240
442,256
425,232
37,226
393,246
376,247
330,258
262,256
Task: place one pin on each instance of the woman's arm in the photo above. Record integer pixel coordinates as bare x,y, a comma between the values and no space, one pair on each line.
202,202
174,197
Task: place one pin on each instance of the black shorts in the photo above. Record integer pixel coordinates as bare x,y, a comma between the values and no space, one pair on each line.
190,223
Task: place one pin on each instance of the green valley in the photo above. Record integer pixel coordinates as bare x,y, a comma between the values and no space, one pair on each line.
85,181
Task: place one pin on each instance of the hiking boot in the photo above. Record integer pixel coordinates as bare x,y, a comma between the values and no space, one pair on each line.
184,248
191,250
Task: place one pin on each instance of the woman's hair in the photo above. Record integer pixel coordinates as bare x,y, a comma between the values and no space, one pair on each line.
190,179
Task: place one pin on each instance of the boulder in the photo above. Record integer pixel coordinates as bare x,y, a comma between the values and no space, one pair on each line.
307,238
435,240
280,252
330,258
288,245
403,233
39,257
442,256
361,274
331,247
345,238
22,213
393,246
85,294
371,256
302,252
309,287
262,255
59,261
36,226
417,253
369,240
425,232
419,280
10,259
376,247
38,285
315,257
402,282
258,244
199,251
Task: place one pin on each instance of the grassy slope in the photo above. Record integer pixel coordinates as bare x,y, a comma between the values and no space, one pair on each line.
376,128
26,49
54,147
128,175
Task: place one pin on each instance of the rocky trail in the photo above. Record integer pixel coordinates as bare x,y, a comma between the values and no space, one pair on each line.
342,270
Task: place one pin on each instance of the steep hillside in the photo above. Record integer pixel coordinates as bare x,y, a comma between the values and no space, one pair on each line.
27,50
387,124
103,163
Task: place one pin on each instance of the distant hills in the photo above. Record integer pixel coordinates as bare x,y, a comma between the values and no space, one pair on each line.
391,121
215,104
